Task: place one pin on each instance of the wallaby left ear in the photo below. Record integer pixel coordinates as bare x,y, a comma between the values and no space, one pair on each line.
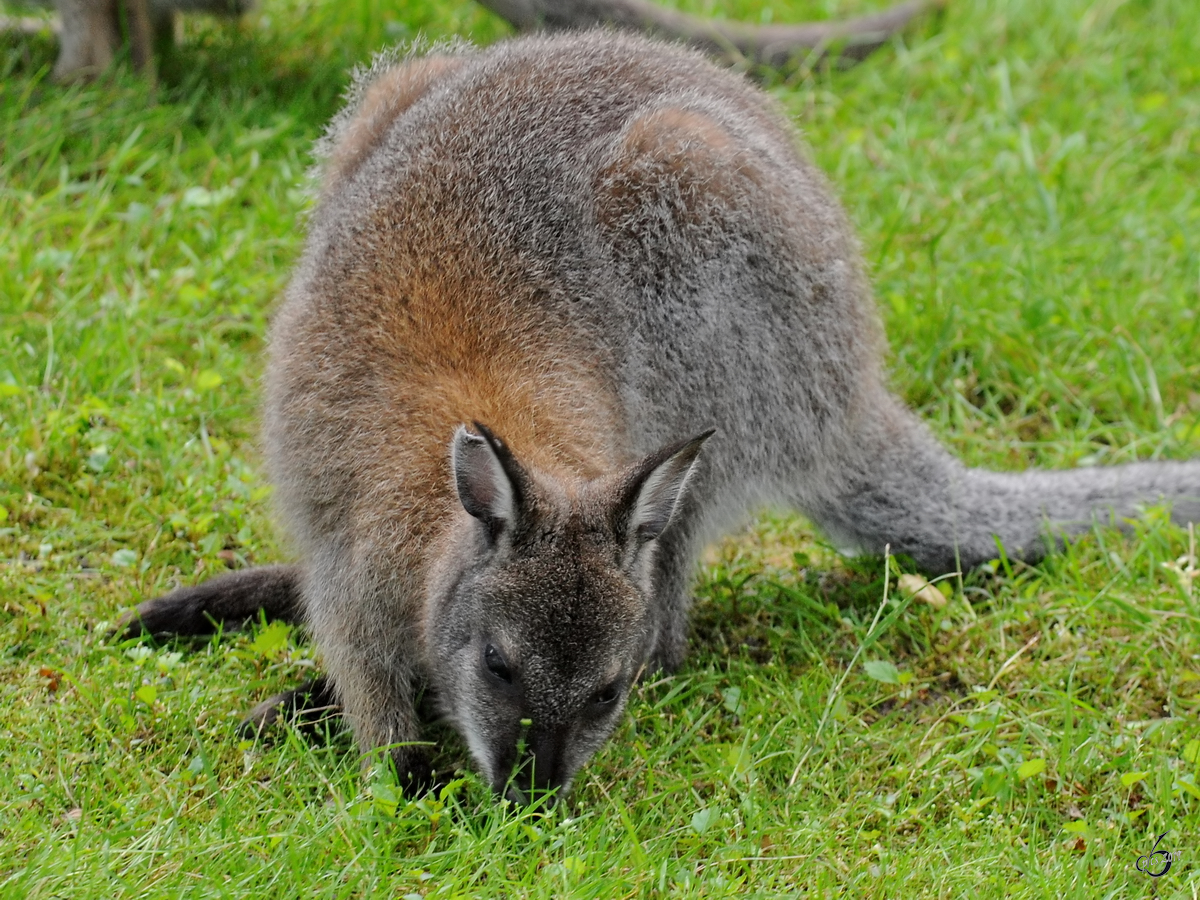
491,484
651,492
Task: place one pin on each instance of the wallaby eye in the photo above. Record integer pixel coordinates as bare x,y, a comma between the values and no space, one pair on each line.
607,695
496,665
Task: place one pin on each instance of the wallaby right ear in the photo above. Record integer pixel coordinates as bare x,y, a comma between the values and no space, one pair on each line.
490,482
654,487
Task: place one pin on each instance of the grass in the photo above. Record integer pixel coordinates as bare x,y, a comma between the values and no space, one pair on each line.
1024,177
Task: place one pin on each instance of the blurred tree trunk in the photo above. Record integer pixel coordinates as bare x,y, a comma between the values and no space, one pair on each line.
90,31
771,45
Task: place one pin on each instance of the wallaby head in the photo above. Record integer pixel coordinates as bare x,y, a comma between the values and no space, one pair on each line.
541,617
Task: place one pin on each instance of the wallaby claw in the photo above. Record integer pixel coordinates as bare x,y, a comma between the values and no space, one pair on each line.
306,708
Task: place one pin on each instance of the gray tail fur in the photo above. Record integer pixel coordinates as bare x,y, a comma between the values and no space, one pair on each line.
899,487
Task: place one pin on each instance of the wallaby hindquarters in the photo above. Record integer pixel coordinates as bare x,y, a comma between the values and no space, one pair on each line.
537,275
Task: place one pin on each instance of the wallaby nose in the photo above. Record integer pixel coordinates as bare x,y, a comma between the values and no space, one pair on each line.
540,772
523,790
546,756
527,797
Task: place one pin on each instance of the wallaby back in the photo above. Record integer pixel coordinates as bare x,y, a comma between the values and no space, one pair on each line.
533,273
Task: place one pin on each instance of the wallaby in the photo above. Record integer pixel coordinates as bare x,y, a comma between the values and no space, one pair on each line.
537,277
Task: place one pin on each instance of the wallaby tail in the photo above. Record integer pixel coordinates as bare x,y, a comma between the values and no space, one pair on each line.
229,599
901,488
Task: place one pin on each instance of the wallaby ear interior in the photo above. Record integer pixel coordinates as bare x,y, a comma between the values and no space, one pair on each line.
489,480
652,491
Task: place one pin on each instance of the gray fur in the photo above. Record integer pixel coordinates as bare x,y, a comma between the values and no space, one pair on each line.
595,246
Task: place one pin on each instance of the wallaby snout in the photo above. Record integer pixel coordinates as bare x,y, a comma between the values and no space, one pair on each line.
536,770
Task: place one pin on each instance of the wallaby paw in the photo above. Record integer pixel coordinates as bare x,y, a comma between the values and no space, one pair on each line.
227,601
414,772
163,617
306,708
